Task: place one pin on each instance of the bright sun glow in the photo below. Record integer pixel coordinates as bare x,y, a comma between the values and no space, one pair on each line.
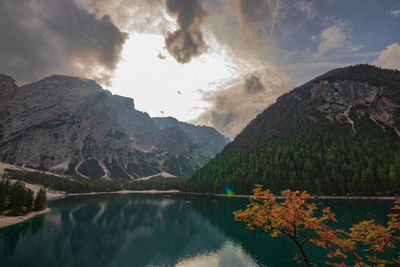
161,86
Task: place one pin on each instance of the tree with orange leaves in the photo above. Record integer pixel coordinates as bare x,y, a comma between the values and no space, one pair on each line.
367,237
296,219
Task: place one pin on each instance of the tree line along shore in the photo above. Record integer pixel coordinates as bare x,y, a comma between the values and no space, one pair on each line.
16,199
68,186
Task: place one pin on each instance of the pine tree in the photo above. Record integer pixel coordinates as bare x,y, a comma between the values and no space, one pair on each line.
28,200
41,200
4,194
17,197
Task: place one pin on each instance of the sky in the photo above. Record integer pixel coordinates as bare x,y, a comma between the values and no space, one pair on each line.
208,62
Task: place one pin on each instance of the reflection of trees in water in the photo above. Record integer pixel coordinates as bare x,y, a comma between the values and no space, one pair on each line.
352,211
279,251
137,230
264,250
111,230
9,236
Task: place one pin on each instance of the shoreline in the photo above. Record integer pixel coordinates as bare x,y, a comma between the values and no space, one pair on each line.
154,191
122,192
11,220
310,197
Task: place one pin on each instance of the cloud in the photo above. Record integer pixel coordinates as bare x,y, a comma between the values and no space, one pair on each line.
395,13
331,38
187,41
147,16
236,103
43,37
255,12
355,48
254,17
154,16
252,84
307,8
389,58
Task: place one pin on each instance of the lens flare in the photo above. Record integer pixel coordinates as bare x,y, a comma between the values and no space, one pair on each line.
228,191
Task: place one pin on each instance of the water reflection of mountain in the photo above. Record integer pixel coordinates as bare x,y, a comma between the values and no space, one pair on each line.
280,251
111,231
157,230
266,251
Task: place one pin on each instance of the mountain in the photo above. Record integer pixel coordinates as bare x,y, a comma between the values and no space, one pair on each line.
74,126
207,138
337,134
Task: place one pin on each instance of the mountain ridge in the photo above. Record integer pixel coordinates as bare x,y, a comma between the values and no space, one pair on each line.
289,101
74,126
337,134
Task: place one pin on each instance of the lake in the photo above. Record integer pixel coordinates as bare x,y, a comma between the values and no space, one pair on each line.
158,230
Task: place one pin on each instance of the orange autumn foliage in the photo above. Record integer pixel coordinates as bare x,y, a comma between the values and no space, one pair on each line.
366,242
296,218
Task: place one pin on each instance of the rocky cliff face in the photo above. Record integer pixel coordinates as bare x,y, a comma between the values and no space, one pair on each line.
343,95
72,125
344,100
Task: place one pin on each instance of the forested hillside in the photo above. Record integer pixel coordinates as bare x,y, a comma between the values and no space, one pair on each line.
336,135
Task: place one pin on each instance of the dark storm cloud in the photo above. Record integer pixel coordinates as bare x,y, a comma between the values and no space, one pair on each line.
41,37
253,84
239,101
187,41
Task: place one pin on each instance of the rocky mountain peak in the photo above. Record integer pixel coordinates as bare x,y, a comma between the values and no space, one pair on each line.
347,93
344,94
125,103
71,125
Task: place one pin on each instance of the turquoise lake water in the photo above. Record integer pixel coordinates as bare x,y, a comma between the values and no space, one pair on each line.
158,230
